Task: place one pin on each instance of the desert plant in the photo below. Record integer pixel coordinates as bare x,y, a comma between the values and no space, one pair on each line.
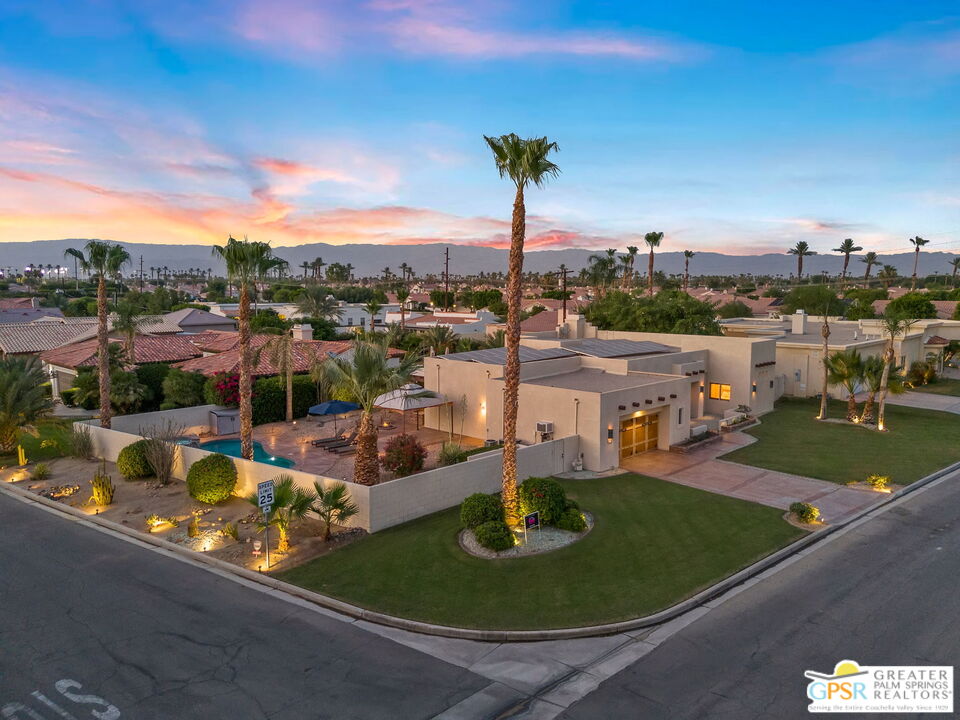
544,495
480,508
571,519
132,461
230,529
23,399
805,512
494,535
81,442
404,455
212,479
290,504
102,487
878,482
333,505
451,453
193,529
154,521
40,472
160,447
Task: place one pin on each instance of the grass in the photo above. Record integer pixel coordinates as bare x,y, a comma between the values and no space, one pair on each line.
917,443
654,544
53,441
943,386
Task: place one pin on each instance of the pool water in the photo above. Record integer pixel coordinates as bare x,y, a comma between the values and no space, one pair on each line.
232,448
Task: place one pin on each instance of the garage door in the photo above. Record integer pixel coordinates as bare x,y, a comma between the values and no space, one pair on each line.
639,434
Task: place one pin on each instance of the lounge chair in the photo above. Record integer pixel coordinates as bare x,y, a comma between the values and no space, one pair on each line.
349,440
343,449
320,442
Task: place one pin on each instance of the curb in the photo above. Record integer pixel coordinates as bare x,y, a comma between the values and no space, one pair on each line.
423,628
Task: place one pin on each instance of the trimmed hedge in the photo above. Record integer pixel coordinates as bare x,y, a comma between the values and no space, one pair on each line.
212,479
132,461
182,389
805,512
571,519
480,508
152,375
544,495
494,535
270,398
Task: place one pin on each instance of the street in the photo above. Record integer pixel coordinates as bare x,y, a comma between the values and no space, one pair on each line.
883,594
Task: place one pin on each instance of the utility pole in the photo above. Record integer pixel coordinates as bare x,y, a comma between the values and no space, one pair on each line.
141,273
446,278
564,271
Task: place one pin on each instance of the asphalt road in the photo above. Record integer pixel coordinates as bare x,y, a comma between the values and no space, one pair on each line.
93,624
886,593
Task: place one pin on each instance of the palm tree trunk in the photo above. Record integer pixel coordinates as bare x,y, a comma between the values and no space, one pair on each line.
799,267
366,468
283,544
686,274
103,354
650,273
825,332
851,407
916,262
289,374
867,415
246,381
866,277
511,373
843,275
884,380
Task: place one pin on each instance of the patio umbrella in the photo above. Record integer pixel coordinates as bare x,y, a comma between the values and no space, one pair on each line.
333,407
408,397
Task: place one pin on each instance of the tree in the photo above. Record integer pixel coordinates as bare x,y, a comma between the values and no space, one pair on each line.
316,301
247,262
631,256
364,376
917,242
438,339
873,367
523,162
128,321
801,250
887,275
372,307
653,240
338,273
894,326
825,334
23,398
333,505
281,353
183,389
870,259
734,309
954,269
402,295
847,247
812,299
290,504
687,254
669,311
105,260
846,368
913,305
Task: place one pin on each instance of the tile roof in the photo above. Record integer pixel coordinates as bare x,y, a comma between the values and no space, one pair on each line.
18,303
38,336
187,317
25,315
936,340
146,349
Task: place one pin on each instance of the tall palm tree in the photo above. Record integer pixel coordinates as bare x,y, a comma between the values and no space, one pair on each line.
305,266
128,321
894,326
846,368
917,242
438,339
23,398
601,271
77,256
870,259
687,254
653,240
402,295
247,261
523,162
317,265
847,247
364,376
624,261
887,274
632,251
825,334
315,301
872,378
105,260
801,250
955,268
372,307
281,352
290,504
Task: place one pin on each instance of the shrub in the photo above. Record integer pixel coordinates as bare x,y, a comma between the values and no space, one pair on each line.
573,520
544,495
479,509
222,389
40,471
494,535
68,396
193,529
878,482
81,442
230,529
451,454
132,461
182,389
805,512
152,376
270,398
404,455
212,479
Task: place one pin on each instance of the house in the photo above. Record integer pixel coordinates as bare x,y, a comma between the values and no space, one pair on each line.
622,393
192,320
351,314
462,324
35,337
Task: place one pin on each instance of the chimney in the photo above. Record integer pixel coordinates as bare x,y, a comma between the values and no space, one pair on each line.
799,324
302,332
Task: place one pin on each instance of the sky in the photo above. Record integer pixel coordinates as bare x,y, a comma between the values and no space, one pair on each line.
737,127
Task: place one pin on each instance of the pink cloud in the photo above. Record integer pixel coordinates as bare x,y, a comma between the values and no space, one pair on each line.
293,25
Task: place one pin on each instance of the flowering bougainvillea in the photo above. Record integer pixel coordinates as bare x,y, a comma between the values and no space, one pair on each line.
404,455
226,387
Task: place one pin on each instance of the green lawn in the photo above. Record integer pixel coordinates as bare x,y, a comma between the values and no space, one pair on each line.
53,441
654,544
943,386
917,443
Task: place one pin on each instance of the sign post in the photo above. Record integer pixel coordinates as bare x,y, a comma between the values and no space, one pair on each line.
531,521
265,501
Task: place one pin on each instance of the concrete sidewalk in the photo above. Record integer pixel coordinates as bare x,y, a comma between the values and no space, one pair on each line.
926,401
703,470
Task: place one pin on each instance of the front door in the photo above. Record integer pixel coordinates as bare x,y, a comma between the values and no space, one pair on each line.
639,434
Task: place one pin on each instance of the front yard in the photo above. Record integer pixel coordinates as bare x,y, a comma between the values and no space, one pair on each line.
943,386
791,440
654,544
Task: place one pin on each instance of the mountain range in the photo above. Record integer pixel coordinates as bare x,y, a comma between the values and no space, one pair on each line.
369,260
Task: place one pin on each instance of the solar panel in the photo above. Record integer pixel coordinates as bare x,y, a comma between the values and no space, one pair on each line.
498,356
618,348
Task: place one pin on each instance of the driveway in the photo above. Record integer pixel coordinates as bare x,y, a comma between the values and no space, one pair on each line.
926,401
703,470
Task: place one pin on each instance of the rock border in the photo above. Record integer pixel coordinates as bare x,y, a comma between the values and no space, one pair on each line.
468,543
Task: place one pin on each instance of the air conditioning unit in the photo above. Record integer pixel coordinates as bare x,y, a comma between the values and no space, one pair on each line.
491,443
544,427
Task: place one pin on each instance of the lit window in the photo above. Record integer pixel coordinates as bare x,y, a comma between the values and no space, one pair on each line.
719,391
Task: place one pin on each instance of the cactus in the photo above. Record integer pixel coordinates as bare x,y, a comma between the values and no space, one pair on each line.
193,529
102,486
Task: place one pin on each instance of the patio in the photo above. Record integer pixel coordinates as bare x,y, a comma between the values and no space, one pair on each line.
293,441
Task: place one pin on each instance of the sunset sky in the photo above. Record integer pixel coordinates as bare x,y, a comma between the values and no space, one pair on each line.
735,126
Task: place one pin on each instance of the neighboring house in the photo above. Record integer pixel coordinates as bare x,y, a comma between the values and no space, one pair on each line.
462,324
622,393
26,315
191,320
945,308
351,314
33,338
542,324
19,303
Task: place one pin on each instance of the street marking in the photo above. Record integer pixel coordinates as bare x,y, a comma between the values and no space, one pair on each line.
66,686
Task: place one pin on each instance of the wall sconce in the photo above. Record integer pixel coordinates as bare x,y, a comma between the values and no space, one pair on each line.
609,434
483,408
701,389
754,387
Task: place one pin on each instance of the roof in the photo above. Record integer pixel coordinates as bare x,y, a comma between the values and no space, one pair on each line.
596,380
146,349
28,314
18,303
618,348
541,322
498,356
39,336
936,340
187,317
945,308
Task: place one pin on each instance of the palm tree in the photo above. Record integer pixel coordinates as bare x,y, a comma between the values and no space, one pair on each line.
317,266
316,302
105,260
372,307
280,351
624,271
601,271
305,266
825,334
801,250
523,162
917,242
290,504
364,376
333,505
402,295
246,263
687,254
23,398
955,268
870,259
887,274
653,240
847,247
873,367
128,321
894,326
77,256
846,368
632,251
438,339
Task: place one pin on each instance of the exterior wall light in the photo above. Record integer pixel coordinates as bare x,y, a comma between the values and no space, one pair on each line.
610,434
754,387
701,389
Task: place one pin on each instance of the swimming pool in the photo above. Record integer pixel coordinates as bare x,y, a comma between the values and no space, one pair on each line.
232,448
